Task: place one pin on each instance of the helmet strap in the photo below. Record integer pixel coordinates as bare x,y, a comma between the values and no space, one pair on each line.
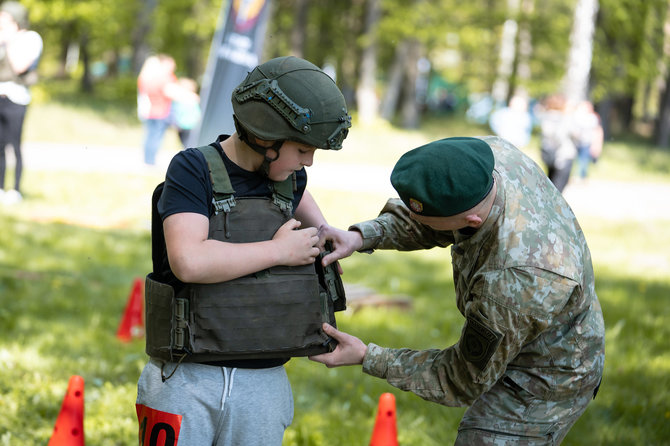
246,138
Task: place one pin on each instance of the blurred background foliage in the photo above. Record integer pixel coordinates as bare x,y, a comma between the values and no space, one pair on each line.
456,45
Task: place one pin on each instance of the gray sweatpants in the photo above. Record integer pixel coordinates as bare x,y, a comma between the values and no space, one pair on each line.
219,406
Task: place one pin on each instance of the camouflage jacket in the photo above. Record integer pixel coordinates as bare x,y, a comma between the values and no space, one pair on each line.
525,285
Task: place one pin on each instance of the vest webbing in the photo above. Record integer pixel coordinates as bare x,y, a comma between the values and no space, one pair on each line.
273,313
223,189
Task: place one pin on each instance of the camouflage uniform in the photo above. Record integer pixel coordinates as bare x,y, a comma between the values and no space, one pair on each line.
531,352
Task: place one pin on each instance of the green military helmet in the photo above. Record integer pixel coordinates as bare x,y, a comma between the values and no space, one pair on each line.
288,98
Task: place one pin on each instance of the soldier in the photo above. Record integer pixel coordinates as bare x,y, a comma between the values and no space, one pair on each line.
531,352
234,292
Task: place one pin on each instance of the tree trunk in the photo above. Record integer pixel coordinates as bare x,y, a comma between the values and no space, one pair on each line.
141,48
662,128
86,79
501,88
411,117
663,125
366,96
67,36
299,28
394,87
195,64
576,81
525,50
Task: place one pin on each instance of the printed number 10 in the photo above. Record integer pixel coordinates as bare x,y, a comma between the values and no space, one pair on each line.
169,435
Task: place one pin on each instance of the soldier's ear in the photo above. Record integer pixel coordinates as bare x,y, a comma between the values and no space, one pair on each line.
474,220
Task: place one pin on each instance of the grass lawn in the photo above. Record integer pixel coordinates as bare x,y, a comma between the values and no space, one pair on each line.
69,254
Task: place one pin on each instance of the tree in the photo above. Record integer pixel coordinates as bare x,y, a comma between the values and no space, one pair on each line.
141,31
576,81
662,130
366,96
500,90
627,47
298,30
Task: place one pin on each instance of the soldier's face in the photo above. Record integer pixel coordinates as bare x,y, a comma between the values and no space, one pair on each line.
452,223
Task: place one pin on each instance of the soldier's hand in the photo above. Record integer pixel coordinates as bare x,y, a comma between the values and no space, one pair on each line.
345,243
296,246
349,351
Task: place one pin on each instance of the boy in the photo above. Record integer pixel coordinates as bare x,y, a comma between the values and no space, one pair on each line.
284,110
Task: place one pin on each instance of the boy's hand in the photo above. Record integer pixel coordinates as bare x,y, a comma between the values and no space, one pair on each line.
349,351
296,246
345,243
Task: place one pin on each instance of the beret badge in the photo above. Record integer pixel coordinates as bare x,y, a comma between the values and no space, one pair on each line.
415,205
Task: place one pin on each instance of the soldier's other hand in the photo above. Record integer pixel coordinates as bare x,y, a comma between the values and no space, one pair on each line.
296,246
349,351
345,243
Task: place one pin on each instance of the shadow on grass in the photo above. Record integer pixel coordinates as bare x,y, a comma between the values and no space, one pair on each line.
632,405
63,289
112,99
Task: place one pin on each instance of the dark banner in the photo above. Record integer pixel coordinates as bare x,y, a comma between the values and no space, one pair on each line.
236,50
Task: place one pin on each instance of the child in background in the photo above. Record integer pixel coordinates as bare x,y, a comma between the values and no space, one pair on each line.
186,110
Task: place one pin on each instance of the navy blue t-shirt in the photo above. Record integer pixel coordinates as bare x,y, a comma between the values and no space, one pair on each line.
188,188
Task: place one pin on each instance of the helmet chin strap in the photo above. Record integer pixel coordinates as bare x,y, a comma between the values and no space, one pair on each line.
244,136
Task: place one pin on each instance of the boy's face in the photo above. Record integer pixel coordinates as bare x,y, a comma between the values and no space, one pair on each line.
293,156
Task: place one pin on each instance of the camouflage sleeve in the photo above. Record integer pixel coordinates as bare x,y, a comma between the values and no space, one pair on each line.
493,335
394,229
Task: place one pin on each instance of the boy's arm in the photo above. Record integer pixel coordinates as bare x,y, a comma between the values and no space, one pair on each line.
196,259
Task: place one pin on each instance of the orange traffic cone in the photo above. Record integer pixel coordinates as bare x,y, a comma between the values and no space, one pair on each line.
69,427
385,432
132,323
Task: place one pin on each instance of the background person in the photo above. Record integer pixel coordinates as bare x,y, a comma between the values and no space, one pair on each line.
587,134
514,122
557,148
186,112
157,88
531,352
20,51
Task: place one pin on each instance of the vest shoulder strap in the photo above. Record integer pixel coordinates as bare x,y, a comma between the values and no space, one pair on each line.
217,172
223,199
223,189
283,192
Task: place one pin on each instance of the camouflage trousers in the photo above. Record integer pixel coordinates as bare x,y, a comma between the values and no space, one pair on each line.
509,415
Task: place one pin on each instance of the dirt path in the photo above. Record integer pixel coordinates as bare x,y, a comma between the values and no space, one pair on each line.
614,200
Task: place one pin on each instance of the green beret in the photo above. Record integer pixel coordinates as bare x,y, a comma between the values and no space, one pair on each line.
445,177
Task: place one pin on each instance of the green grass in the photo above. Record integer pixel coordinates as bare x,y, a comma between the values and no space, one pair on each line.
69,254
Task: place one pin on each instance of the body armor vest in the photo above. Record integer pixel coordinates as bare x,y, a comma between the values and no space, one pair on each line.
274,313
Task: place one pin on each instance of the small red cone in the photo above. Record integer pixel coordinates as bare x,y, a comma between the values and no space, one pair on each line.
132,323
385,432
69,427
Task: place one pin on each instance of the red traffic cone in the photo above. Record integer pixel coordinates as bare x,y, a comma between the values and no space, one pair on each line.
69,427
132,323
385,432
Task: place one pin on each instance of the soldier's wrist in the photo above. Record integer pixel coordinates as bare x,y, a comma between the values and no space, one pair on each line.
374,362
370,233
